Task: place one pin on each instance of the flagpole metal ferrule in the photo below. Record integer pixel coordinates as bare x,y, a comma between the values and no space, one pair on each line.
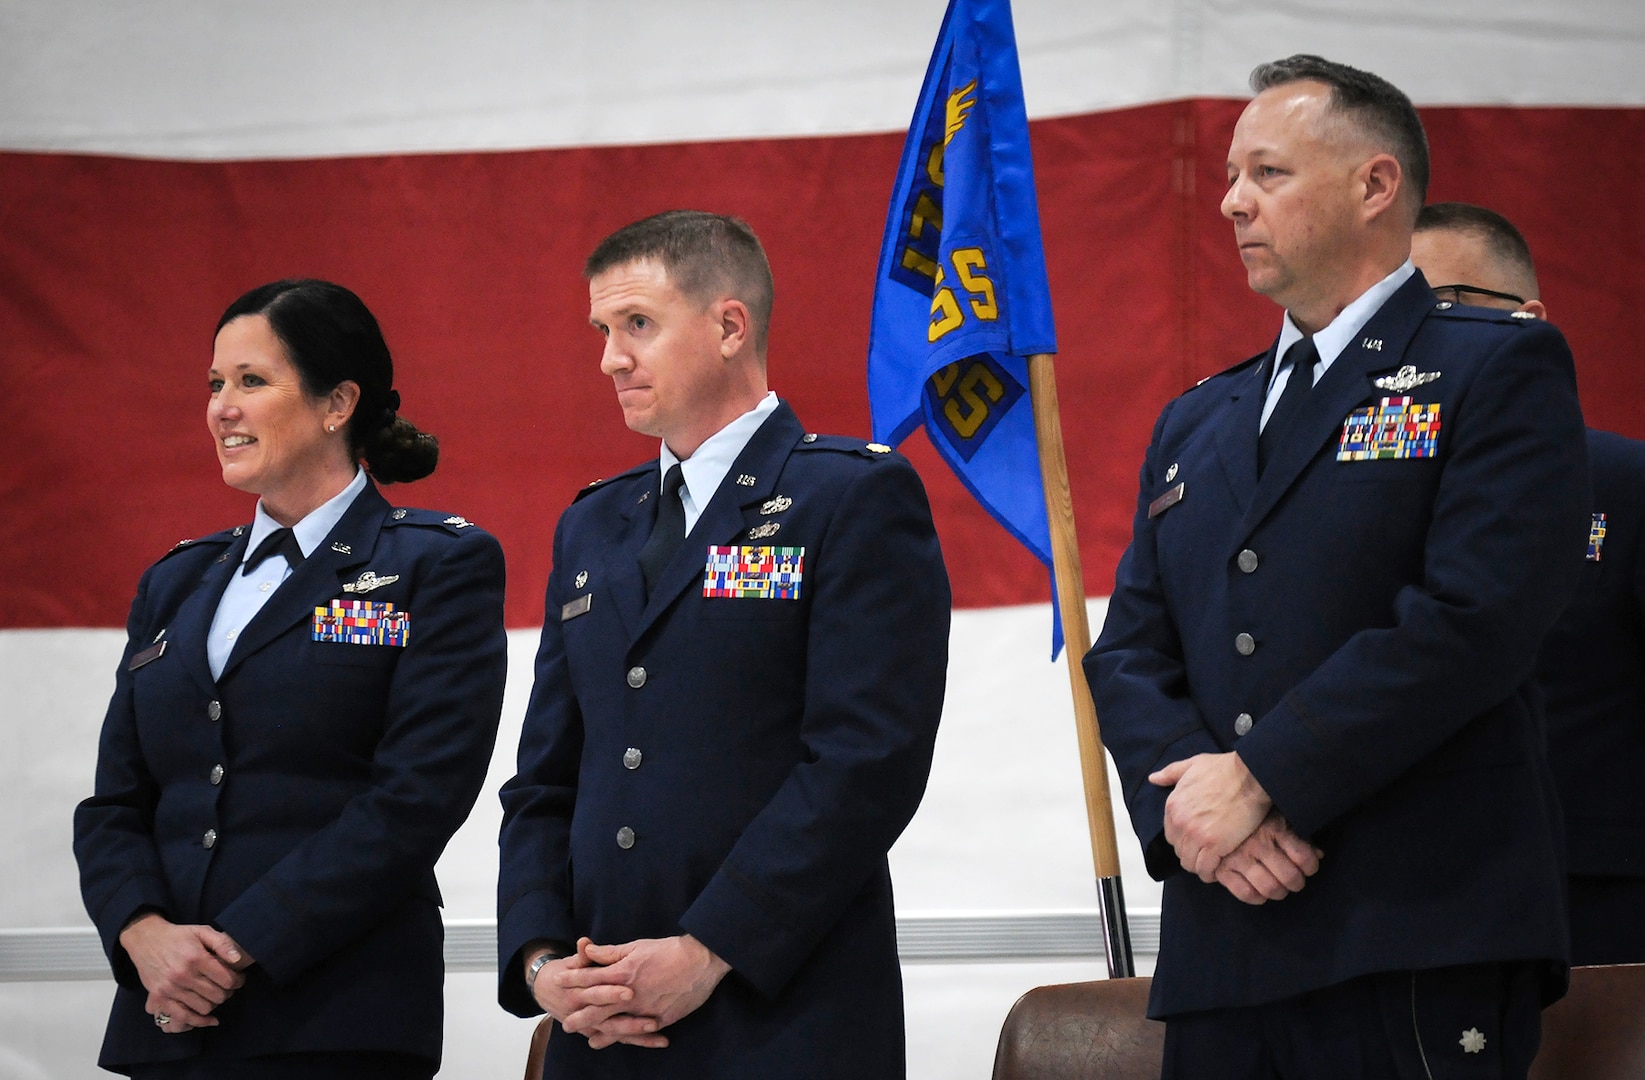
1116,932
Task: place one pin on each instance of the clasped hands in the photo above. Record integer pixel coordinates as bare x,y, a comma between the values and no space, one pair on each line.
628,993
188,970
1224,829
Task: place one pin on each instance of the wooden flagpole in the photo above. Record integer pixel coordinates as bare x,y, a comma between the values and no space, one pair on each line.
1076,631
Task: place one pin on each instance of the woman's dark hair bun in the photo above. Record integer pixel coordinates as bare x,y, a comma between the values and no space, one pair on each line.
397,453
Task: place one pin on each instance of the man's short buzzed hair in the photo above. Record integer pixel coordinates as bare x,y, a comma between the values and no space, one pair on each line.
1376,106
1502,240
706,256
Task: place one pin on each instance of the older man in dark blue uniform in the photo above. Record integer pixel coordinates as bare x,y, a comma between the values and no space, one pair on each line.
1592,666
736,702
1315,674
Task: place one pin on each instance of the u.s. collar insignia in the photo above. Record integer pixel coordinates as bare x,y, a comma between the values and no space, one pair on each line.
777,505
744,480
1374,344
582,578
341,548
368,582
1171,473
458,522
1405,379
760,532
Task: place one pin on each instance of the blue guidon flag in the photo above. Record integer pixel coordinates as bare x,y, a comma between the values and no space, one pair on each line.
961,299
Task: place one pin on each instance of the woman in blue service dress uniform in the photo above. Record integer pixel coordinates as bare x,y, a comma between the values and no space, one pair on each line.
303,715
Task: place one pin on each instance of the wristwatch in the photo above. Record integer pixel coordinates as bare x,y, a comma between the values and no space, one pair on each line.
536,966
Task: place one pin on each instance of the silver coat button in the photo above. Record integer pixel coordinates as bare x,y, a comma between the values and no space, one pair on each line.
632,758
1247,561
216,774
214,710
210,839
625,838
636,677
1245,644
1242,724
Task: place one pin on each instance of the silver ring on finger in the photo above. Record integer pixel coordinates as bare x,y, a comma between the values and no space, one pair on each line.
161,1019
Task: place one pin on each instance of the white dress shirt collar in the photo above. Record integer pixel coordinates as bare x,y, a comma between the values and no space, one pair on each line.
705,469
315,526
1334,338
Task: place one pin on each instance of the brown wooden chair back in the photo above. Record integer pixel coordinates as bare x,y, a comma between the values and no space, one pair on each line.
1597,1031
539,1045
1081,1031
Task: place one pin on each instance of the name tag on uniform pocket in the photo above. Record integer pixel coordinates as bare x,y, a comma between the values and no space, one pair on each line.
361,622
1394,429
1168,500
757,573
148,655
576,607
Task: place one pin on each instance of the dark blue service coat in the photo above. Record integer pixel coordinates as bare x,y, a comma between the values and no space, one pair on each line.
1373,626
735,768
299,802
1592,670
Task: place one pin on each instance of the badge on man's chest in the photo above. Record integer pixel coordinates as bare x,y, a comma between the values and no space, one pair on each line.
361,622
1394,429
1596,538
754,573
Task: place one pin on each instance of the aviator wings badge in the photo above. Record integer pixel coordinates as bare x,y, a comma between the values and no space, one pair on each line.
1405,379
368,582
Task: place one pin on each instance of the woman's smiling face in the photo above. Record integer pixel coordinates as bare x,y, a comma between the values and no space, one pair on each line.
270,435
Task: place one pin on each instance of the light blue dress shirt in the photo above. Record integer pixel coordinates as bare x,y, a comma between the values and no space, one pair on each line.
704,471
247,593
1333,338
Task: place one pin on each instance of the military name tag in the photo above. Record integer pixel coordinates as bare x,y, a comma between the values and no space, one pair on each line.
151,654
759,573
1168,500
1394,429
361,622
576,607
1596,538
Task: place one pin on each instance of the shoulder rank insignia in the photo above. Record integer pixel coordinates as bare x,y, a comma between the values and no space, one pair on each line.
369,582
878,448
458,522
1405,379
777,505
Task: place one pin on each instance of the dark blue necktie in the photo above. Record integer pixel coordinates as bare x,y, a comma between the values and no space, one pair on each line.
1300,358
667,533
278,542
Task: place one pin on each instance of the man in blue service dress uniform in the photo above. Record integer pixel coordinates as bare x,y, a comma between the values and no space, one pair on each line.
1315,674
1592,665
736,701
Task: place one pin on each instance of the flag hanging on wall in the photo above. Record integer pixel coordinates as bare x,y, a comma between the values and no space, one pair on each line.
961,299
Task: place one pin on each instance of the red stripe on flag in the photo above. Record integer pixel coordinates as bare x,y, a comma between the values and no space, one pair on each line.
113,272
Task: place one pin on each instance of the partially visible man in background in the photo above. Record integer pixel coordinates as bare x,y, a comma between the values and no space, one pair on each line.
1592,667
